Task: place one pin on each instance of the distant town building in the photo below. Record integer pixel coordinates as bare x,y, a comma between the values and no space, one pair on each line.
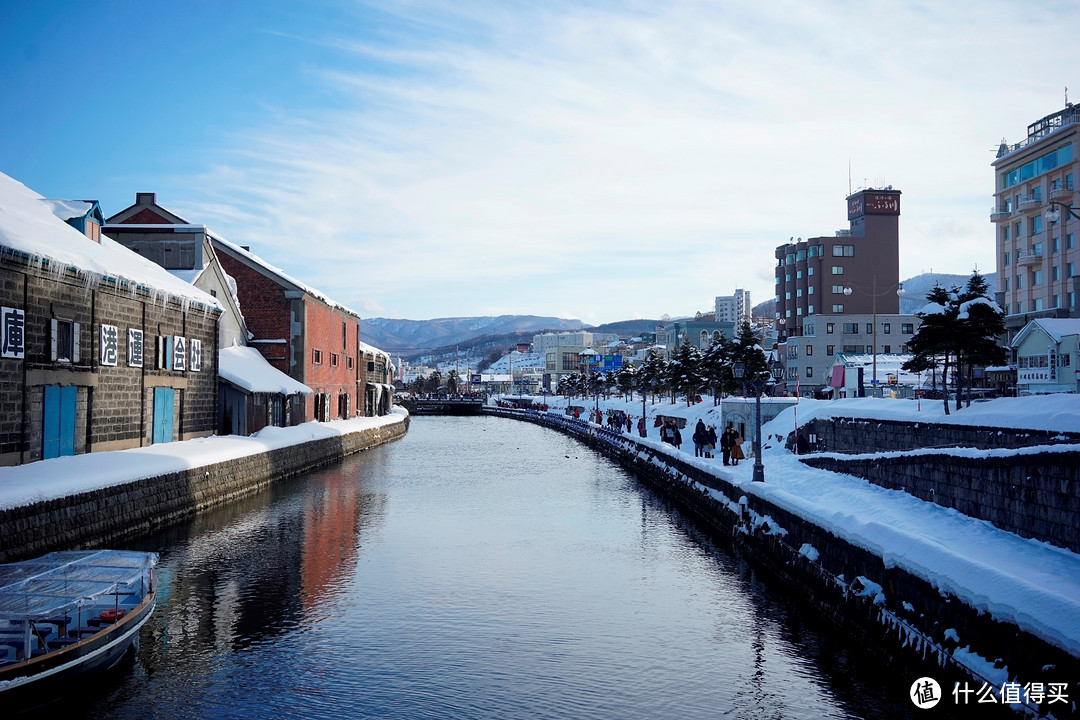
101,349
733,308
1036,221
840,293
700,333
1047,355
562,353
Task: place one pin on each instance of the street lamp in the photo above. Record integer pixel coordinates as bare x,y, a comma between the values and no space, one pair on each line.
1053,214
757,384
874,296
644,425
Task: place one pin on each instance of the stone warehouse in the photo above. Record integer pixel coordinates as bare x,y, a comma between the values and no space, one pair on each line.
101,349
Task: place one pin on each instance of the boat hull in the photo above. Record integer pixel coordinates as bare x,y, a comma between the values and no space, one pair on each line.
96,652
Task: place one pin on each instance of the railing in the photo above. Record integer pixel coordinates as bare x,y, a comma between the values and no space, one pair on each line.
1066,120
1029,257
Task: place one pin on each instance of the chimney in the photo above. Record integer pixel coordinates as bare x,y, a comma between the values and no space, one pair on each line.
146,198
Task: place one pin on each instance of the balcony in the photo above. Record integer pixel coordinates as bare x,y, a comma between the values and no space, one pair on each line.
1029,257
1000,214
1061,191
1030,202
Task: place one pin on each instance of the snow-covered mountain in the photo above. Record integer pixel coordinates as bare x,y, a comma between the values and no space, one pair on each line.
913,298
409,336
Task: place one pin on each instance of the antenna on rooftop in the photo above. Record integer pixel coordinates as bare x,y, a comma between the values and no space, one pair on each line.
849,176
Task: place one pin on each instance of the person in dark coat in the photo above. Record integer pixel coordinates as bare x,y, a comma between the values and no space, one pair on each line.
725,443
711,440
676,435
700,438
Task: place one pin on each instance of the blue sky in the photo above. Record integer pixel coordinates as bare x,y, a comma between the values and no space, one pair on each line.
600,161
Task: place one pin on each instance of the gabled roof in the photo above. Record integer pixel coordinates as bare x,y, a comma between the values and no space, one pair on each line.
1056,328
280,276
29,228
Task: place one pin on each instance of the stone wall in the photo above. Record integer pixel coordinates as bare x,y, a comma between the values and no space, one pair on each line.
911,625
104,516
1032,495
858,435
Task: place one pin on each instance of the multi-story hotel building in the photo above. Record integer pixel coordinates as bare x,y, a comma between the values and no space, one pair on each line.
1037,222
839,294
733,308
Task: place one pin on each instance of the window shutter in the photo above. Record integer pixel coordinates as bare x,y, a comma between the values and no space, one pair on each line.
74,342
54,329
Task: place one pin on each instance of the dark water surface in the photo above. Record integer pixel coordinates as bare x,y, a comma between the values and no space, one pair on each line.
478,568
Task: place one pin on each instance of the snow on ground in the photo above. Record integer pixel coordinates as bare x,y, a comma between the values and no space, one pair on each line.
60,477
1032,583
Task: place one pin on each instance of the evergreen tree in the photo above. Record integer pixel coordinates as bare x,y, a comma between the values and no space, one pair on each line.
652,372
684,371
749,352
716,367
452,382
935,336
980,323
624,379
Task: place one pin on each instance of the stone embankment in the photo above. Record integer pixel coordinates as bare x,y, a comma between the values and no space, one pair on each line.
106,515
901,618
1033,492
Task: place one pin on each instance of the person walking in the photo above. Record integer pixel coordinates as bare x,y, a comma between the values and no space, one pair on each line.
725,443
710,438
642,431
700,437
676,436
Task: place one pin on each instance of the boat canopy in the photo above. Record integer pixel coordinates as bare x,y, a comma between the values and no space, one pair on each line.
61,580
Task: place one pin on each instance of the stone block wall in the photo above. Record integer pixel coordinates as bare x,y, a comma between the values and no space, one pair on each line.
858,435
99,517
1032,495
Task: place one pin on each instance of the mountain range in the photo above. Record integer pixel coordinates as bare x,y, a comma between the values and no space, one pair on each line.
419,338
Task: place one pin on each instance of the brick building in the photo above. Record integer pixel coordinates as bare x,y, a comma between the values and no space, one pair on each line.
101,349
309,337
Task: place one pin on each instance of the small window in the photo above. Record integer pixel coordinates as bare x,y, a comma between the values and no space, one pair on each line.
316,357
837,269
333,359
830,350
869,328
907,328
809,350
886,349
851,328
64,345
837,309
809,371
829,329
886,328
344,336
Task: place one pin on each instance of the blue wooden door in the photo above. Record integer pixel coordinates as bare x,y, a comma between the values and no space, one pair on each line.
58,431
163,415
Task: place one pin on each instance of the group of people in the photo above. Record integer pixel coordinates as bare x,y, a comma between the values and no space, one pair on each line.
705,438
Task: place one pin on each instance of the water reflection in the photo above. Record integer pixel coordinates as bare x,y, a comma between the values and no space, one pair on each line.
479,568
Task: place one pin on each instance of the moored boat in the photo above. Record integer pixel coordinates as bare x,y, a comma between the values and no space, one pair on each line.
68,613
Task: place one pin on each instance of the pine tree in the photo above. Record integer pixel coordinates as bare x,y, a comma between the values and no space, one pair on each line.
716,367
935,336
980,323
749,352
684,371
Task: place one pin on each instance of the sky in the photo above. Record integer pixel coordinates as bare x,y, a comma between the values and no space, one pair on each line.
592,160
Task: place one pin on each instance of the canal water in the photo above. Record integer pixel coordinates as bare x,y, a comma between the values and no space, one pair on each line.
479,568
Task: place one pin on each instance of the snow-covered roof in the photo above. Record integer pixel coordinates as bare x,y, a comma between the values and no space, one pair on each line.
255,259
1056,328
28,226
67,209
246,368
364,347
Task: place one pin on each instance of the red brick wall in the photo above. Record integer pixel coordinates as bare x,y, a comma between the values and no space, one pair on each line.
146,217
323,327
266,311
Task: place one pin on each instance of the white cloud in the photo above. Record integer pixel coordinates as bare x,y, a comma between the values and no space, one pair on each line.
503,158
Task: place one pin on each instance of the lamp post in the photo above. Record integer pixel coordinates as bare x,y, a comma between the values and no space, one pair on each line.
758,384
874,296
1053,214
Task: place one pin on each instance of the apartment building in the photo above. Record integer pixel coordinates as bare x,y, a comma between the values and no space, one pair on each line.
1037,222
